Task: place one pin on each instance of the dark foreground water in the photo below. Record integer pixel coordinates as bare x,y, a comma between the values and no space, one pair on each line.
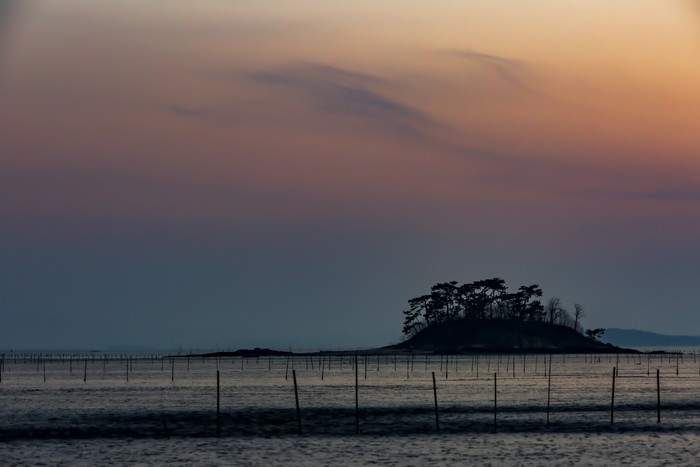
166,412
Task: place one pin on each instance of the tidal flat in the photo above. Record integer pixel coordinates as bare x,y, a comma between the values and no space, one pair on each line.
82,410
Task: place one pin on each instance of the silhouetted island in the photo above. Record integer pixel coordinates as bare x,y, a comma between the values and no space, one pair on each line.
483,316
502,336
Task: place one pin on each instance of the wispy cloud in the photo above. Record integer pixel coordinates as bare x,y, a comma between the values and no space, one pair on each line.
186,112
513,72
348,93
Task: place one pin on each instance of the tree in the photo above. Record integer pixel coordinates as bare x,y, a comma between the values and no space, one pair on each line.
418,316
532,310
553,310
579,313
494,289
485,299
444,297
595,334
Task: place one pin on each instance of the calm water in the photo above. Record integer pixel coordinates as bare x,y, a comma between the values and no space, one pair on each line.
109,419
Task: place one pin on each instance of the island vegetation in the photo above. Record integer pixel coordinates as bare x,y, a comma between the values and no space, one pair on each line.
485,315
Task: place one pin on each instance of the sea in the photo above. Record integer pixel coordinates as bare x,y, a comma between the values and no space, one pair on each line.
92,408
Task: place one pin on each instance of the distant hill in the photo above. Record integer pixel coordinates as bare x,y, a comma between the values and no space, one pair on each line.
502,336
635,338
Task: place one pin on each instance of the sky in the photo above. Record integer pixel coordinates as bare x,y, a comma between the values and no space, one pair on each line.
224,174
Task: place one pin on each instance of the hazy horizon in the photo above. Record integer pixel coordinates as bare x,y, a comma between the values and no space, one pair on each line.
223,174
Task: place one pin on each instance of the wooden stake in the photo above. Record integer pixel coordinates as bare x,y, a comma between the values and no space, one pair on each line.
495,401
357,397
676,364
612,399
296,399
658,397
218,406
437,416
85,372
549,388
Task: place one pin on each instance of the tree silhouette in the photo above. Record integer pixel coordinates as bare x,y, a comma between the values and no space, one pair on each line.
595,333
485,299
579,313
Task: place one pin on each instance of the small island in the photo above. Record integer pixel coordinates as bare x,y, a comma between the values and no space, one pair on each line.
483,316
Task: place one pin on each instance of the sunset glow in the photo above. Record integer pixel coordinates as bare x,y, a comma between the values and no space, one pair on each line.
321,161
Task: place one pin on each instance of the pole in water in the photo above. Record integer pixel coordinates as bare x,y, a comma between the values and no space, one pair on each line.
85,372
495,401
218,406
658,397
296,399
357,399
437,416
549,388
612,399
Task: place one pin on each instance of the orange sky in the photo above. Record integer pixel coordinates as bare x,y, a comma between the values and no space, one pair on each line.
448,117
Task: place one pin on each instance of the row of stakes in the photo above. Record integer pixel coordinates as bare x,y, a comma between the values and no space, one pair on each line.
357,411
435,399
322,364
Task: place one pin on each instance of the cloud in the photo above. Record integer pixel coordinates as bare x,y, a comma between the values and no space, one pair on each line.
512,72
185,112
346,93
